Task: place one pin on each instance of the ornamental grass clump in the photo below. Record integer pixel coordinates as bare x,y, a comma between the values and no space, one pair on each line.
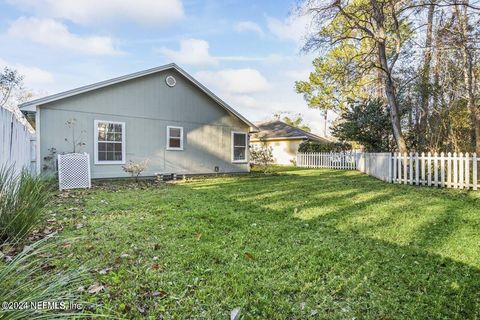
23,198
32,288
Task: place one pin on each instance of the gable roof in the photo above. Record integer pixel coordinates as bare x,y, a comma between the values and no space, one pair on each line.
31,105
277,130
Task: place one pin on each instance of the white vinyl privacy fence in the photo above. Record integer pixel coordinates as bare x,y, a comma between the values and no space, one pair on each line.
457,170
17,143
375,164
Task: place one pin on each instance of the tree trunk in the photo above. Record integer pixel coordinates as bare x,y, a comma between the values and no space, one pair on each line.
389,85
425,80
468,75
391,98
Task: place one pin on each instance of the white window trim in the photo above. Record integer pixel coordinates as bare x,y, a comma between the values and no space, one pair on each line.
95,148
168,138
246,147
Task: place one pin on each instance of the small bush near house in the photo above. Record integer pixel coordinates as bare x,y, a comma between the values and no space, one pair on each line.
135,168
262,156
310,146
22,201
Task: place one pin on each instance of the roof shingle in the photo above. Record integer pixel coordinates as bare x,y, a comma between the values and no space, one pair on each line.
276,129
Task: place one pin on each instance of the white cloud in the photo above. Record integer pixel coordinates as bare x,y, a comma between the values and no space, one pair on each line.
293,28
248,26
238,87
234,81
55,34
148,12
191,52
33,76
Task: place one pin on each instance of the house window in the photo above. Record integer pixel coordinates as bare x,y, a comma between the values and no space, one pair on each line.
109,142
239,147
174,138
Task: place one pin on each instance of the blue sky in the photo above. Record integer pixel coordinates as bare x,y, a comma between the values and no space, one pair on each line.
247,52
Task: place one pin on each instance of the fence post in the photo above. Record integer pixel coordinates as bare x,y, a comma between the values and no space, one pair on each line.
389,178
455,171
394,176
417,170
411,167
442,169
435,169
474,171
429,169
460,170
467,170
422,165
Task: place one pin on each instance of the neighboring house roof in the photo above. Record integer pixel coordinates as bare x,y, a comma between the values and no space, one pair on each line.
30,106
278,130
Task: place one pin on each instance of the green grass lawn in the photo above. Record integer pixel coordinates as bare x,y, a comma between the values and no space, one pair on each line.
297,244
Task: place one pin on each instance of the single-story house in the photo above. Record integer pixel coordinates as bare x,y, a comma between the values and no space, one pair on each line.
283,139
161,114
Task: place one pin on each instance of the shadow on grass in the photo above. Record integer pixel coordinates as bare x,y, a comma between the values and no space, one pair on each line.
334,244
388,268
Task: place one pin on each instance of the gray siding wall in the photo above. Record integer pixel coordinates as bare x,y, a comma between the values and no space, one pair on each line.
147,106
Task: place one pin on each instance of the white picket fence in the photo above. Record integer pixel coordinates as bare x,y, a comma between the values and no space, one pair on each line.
333,160
455,170
17,143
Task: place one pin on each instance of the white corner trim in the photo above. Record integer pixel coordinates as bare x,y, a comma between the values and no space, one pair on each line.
168,139
37,141
95,139
246,147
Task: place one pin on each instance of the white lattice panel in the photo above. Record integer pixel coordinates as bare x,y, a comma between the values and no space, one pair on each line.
74,171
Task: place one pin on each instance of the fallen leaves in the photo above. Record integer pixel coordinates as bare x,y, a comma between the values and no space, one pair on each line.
249,256
235,314
141,309
160,294
95,288
105,270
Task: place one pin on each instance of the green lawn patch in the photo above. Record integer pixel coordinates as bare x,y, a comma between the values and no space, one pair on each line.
288,245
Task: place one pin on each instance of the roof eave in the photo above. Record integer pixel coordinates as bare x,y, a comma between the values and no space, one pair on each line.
32,105
279,138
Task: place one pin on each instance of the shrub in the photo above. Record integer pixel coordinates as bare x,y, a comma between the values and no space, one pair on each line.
262,156
310,146
368,123
135,168
23,198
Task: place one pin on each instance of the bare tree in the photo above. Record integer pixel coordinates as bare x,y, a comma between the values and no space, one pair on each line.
461,11
425,77
9,80
373,26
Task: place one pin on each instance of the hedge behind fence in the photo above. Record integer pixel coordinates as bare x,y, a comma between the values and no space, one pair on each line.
310,146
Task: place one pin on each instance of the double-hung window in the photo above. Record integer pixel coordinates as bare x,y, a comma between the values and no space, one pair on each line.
239,147
174,138
109,142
